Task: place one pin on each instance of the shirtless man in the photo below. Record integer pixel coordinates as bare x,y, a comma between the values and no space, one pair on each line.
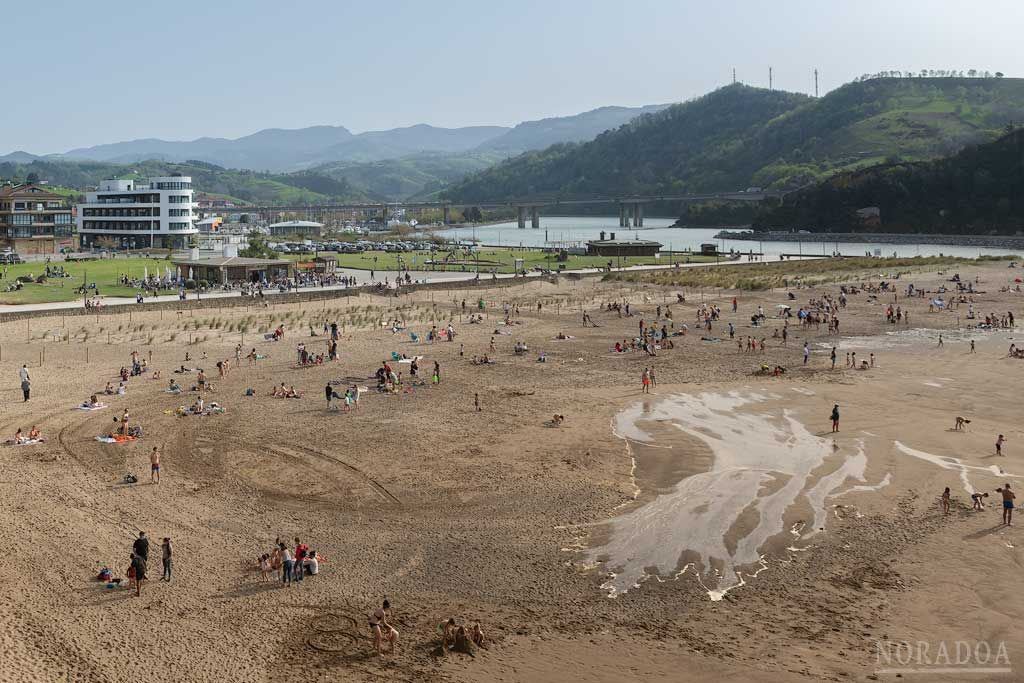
960,422
154,465
1000,440
448,629
1008,497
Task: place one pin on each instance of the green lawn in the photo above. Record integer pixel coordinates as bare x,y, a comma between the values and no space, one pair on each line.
104,273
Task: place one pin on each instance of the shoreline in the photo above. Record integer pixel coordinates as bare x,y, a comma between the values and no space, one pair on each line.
991,241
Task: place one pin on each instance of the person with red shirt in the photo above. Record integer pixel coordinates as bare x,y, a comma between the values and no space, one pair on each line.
301,549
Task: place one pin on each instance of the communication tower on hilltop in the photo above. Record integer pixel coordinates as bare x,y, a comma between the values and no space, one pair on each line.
815,82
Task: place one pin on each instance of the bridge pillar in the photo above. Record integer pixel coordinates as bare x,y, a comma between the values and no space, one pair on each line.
522,217
534,217
384,215
639,215
623,220
447,215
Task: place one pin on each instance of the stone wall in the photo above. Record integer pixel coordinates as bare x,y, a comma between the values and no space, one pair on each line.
171,302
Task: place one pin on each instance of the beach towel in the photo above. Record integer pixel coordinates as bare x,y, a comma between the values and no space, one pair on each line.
86,406
26,442
117,438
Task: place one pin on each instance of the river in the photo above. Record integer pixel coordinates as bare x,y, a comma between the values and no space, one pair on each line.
561,229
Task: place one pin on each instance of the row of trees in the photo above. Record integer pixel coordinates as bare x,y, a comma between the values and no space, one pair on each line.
930,73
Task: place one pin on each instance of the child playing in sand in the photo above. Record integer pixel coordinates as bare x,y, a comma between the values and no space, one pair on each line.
976,499
264,565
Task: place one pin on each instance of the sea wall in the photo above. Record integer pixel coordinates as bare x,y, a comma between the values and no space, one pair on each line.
992,241
172,303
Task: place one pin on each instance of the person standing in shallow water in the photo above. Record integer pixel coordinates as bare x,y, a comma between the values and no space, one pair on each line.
645,381
835,418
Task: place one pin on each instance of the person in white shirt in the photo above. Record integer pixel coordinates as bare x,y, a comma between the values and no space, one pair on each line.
26,381
311,563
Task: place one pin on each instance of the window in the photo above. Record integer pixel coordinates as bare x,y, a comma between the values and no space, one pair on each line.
24,219
19,206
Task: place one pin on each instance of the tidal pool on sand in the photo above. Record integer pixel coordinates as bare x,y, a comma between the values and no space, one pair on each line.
763,464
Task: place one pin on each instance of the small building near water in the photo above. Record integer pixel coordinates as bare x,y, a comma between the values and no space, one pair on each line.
229,268
627,247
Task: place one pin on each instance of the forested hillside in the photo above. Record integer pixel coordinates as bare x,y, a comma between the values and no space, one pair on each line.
739,136
978,190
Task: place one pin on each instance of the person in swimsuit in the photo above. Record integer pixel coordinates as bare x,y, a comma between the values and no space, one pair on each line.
1008,497
381,629
835,418
154,465
1000,440
448,629
976,499
945,501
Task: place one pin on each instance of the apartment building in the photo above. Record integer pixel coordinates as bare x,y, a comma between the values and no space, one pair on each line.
139,214
34,220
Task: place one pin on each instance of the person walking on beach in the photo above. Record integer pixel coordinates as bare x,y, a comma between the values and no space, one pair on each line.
835,418
26,382
137,572
645,381
807,352
1008,497
437,372
141,547
945,501
940,341
287,565
165,550
972,346
154,465
654,379
1000,440
832,357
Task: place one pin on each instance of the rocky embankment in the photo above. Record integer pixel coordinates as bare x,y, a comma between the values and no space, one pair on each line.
992,241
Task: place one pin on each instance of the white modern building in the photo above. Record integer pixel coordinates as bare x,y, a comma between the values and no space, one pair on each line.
138,214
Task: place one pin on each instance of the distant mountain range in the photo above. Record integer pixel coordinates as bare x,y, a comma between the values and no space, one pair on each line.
739,136
278,150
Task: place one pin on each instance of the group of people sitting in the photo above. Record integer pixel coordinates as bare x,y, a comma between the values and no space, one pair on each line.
459,638
33,436
281,391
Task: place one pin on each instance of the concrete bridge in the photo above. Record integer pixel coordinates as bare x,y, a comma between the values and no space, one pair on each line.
631,208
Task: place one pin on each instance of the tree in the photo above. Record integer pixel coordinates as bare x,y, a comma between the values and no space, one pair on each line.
258,247
999,74
34,177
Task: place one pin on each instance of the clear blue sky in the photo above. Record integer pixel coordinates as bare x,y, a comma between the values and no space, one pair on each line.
82,73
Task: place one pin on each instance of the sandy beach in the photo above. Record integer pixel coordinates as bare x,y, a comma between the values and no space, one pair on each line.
715,529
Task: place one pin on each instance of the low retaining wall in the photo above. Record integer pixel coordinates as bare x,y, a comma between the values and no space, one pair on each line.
298,296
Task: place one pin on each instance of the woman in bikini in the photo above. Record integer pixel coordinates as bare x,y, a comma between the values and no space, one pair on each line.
381,629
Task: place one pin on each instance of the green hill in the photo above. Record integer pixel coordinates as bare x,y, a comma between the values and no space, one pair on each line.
740,136
413,176
306,187
976,191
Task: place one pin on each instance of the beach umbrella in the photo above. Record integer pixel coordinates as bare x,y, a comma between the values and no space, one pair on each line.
190,276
